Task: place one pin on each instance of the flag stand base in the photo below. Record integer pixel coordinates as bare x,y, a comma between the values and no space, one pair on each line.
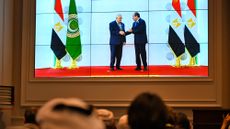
73,65
58,64
192,61
178,62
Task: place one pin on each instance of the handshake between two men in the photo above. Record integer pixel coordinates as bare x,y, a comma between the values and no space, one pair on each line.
121,32
116,42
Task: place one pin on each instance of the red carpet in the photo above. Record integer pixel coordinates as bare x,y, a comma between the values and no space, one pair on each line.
128,71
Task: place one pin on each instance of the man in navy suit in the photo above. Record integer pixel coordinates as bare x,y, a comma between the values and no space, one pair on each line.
140,40
117,40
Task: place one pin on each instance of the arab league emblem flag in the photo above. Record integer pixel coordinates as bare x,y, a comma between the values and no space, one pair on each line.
176,36
57,45
73,40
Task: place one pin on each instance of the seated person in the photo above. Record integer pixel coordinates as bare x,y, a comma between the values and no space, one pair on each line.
123,122
30,118
147,111
182,121
171,118
68,113
107,117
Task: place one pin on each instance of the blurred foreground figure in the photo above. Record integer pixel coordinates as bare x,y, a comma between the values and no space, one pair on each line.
30,118
226,122
182,121
147,111
107,117
123,122
69,113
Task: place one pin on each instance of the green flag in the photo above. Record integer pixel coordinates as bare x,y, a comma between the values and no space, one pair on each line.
73,40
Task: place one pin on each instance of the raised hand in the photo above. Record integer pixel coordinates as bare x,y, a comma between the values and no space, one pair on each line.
226,122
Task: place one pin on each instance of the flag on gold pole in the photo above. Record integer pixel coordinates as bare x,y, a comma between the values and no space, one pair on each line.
174,37
73,41
57,45
190,33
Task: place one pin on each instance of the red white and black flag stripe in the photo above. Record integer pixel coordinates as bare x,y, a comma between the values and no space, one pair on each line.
190,30
174,40
57,45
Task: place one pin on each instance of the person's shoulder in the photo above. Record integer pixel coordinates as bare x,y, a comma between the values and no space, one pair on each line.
113,22
141,20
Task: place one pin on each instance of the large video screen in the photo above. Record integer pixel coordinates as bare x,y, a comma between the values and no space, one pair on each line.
107,38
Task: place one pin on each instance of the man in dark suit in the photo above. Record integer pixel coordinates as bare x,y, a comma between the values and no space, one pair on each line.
117,40
140,40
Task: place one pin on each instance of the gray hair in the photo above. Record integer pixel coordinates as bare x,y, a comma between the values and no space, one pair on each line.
118,15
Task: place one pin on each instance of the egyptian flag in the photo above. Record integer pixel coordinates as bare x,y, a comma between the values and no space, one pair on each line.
190,30
175,43
57,45
175,37
191,43
73,40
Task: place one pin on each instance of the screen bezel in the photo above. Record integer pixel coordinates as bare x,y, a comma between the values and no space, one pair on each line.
109,78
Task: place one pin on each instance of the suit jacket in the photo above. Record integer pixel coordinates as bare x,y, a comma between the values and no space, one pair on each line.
139,31
115,37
